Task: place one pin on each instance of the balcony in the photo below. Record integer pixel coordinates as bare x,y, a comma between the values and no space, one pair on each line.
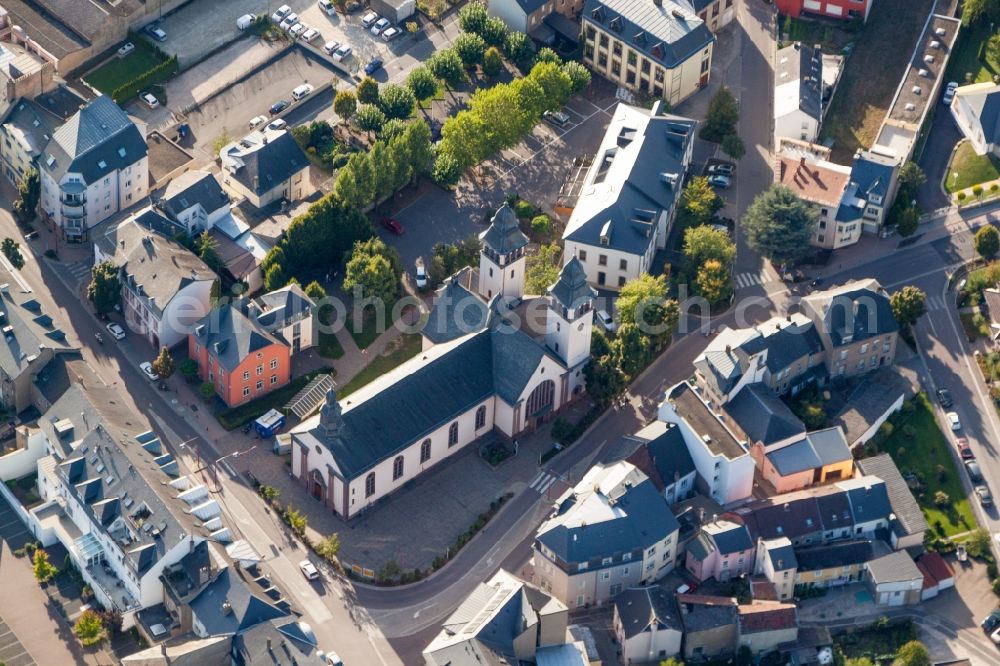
73,211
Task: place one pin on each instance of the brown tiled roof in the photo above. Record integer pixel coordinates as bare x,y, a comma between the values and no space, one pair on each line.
767,616
812,182
935,566
762,589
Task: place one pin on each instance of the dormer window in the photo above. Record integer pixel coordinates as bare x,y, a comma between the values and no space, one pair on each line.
617,24
598,15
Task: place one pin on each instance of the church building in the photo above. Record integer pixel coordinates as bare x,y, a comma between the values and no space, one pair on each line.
483,369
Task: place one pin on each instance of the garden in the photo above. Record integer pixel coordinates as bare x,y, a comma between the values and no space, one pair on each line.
401,350
880,642
122,78
231,418
967,169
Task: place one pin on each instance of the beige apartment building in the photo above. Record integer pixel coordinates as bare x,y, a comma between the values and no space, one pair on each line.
654,47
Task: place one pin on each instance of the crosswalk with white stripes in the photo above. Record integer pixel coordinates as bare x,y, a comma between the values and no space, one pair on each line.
542,482
936,303
80,270
745,280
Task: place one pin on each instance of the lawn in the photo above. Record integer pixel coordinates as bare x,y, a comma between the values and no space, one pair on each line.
407,347
878,642
812,31
234,417
370,328
329,346
865,92
965,57
119,71
918,446
975,325
971,169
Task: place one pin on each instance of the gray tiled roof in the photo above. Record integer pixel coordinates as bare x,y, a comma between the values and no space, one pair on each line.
571,289
822,447
854,314
193,188
668,33
33,122
283,307
640,608
701,547
801,63
703,613
504,235
246,609
456,312
230,336
275,643
838,553
670,455
787,345
904,506
896,567
735,539
763,416
873,173
261,166
869,498
782,556
98,139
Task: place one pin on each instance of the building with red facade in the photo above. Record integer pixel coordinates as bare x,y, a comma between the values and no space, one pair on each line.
842,9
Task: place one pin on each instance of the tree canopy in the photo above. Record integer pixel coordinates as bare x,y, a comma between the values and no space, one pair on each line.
723,114
704,243
371,273
644,302
163,364
912,654
396,101
29,190
345,104
987,241
422,83
908,305
779,225
603,374
699,202
542,269
104,290
367,91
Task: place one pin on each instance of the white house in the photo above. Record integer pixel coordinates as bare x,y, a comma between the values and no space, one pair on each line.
647,624
630,194
976,109
93,166
775,559
798,92
895,579
195,201
266,166
663,456
725,466
289,314
25,131
493,378
165,288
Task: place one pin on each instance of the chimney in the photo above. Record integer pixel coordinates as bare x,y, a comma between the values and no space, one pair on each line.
268,644
715,517
787,506
788,318
728,349
701,515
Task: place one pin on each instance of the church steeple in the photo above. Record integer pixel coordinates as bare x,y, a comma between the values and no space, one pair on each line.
502,259
569,317
331,419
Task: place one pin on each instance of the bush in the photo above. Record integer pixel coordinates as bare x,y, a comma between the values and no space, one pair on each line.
961,196
90,628
541,225
941,498
977,190
524,210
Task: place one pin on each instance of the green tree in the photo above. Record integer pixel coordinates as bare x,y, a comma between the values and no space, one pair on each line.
345,104
396,101
987,241
911,178
723,114
207,250
520,49
28,193
579,76
104,290
714,282
545,54
207,390
470,47
12,250
369,118
699,202
732,145
908,305
912,654
354,182
643,301
706,243
446,66
422,83
541,270
672,661
296,520
43,569
419,150
494,31
603,374
275,277
392,129
371,274
555,84
905,217
779,225
447,169
974,11
633,349
367,91
472,17
163,364
329,547
978,543
859,661
89,628
447,258
315,291
492,62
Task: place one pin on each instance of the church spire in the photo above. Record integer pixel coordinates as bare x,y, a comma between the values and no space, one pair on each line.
331,416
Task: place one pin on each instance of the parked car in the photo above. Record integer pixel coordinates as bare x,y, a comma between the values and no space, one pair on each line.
331,659
277,124
961,554
380,26
393,225
125,49
147,369
245,21
953,420
995,637
310,35
342,53
156,32
289,20
720,181
556,117
327,6
116,331
949,93
296,30
150,100
963,449
944,397
309,570
391,34
257,120
975,474
280,13
373,66
606,321
331,46
278,106
301,91
722,169
991,621
369,19
421,273
985,498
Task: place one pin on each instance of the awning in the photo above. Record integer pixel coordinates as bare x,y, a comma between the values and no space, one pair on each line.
89,547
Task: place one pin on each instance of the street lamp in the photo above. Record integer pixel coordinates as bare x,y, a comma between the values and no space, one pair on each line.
212,465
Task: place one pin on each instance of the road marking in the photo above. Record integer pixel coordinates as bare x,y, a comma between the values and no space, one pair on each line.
749,279
545,487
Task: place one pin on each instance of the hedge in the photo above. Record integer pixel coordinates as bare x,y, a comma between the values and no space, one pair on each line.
150,77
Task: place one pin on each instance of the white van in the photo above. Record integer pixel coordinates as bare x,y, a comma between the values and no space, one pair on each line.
327,7
244,21
301,91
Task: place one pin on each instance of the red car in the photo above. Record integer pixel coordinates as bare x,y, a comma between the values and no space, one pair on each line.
392,225
963,449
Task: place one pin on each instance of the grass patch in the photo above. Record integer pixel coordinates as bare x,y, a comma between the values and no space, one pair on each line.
433,8
965,64
438,96
813,32
971,169
865,92
119,71
234,417
975,325
24,490
328,346
879,641
919,447
989,365
370,328
407,347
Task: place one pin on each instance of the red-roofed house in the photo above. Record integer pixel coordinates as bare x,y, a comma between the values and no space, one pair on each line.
938,575
764,625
